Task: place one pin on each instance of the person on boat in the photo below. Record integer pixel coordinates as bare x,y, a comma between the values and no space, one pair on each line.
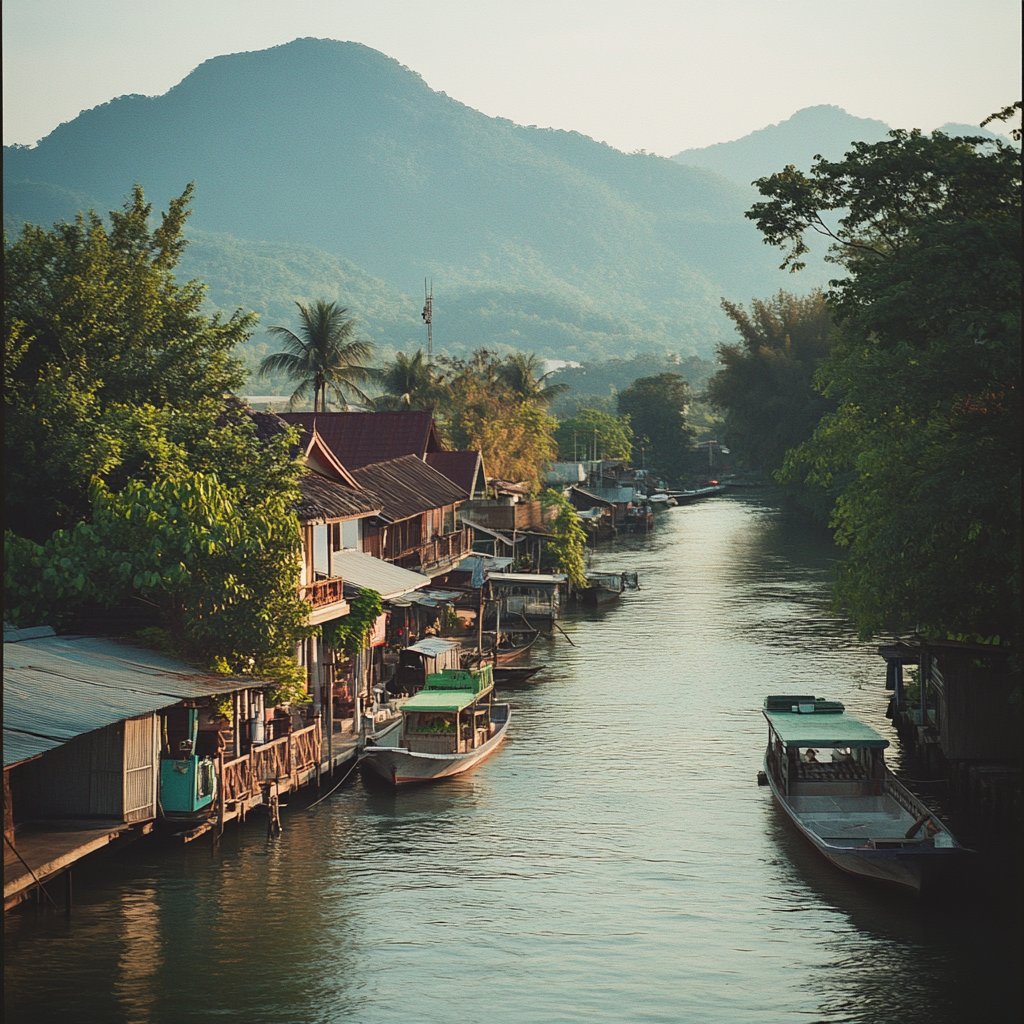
810,756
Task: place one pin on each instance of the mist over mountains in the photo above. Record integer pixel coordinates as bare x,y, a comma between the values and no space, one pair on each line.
327,169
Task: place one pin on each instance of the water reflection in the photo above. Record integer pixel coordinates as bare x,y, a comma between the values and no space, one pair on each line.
614,861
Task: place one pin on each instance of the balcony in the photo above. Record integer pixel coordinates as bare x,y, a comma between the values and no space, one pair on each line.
326,598
437,556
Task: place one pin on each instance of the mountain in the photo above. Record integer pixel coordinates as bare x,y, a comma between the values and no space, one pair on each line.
827,130
326,169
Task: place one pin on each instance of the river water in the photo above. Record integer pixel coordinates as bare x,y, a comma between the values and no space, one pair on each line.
615,861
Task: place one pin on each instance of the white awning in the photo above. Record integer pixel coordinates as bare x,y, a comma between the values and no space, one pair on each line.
369,573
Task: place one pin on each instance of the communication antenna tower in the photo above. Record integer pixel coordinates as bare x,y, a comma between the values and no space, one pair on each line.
428,316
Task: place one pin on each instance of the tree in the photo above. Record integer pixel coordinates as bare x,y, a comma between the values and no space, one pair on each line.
324,357
94,319
593,429
516,435
766,384
521,373
656,407
922,456
407,383
568,544
160,493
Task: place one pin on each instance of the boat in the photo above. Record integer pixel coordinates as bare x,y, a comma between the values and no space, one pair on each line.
452,724
605,587
827,772
510,675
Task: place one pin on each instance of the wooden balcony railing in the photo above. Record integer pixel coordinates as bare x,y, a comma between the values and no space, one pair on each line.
324,592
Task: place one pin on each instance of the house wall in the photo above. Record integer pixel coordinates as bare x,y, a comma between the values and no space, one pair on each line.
978,718
108,773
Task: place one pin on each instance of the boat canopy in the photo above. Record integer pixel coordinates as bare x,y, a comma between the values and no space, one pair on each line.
822,730
464,680
440,700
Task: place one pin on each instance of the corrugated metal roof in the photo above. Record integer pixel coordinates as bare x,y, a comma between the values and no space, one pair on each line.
536,578
60,687
823,730
409,487
433,646
503,537
369,573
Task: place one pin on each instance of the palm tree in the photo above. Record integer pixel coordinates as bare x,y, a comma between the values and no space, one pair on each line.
322,357
521,372
408,383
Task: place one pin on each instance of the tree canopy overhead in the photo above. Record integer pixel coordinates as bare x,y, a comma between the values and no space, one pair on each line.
922,455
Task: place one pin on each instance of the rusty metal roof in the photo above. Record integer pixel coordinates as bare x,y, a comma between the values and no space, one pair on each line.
60,687
408,487
323,498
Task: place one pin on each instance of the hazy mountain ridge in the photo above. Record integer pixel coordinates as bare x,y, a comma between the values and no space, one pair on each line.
328,169
827,130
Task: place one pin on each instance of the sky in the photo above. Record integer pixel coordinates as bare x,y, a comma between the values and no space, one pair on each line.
654,75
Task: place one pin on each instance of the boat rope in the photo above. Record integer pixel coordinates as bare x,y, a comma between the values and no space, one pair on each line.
336,787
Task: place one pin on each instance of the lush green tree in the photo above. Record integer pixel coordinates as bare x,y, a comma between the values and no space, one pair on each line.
94,318
480,411
407,383
323,358
922,455
141,484
657,407
522,373
594,429
567,546
766,384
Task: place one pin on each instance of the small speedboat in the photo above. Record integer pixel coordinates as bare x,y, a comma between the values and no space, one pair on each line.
452,724
828,773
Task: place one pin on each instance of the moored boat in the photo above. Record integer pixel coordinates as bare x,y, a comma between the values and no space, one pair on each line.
605,587
452,724
827,771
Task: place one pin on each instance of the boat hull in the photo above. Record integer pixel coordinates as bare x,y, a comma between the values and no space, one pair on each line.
893,858
399,765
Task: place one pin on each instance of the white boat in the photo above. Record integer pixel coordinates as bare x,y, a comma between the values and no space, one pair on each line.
828,773
452,724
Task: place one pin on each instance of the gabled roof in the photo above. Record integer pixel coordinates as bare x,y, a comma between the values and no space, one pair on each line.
323,499
408,487
360,438
463,468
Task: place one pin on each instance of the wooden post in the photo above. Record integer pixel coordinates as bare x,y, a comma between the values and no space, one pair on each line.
220,793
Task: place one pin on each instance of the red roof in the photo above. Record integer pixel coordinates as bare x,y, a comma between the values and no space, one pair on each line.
462,468
362,438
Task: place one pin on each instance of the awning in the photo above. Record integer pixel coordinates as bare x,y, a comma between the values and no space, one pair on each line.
529,578
497,534
432,646
369,573
488,563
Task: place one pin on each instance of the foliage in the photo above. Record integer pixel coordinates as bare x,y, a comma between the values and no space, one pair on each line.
351,633
578,436
568,544
922,455
766,384
408,382
657,408
481,412
522,374
324,357
94,319
139,485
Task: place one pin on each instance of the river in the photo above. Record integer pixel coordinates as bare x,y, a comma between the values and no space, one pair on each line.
615,861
